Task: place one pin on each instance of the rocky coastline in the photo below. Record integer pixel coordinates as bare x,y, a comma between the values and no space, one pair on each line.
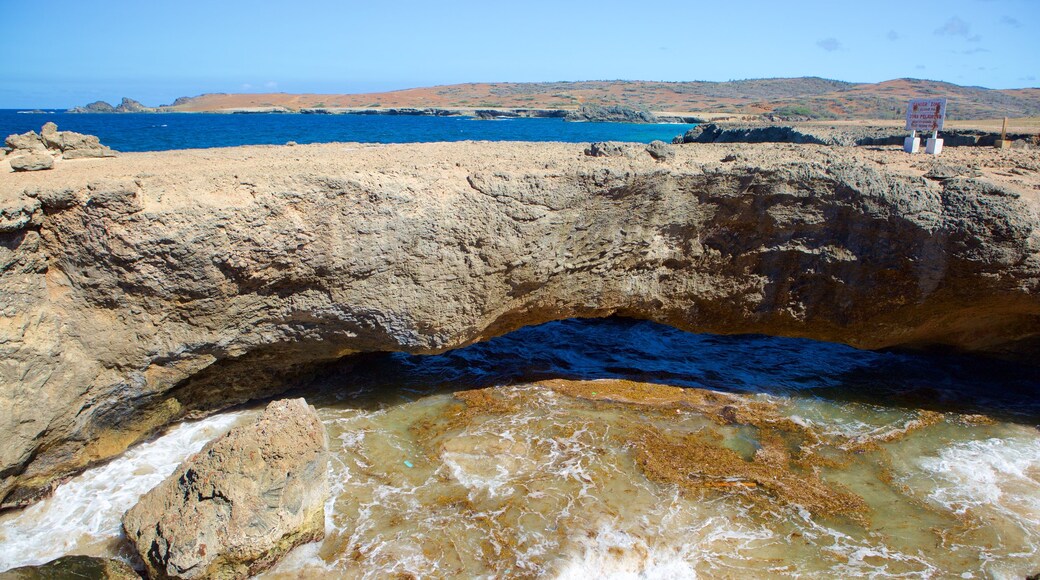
592,114
838,135
152,287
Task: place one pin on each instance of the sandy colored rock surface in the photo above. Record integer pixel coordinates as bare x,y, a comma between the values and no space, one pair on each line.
236,507
139,290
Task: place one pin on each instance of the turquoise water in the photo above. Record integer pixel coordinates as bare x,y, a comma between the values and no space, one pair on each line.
160,132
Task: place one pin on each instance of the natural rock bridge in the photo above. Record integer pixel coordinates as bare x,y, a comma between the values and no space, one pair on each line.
139,290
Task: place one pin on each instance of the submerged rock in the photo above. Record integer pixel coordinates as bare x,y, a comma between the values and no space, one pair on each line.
74,568
241,503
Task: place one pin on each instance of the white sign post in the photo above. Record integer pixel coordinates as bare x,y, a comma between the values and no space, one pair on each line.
925,115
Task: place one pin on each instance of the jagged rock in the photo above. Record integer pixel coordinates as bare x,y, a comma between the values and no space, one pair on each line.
74,567
95,107
29,141
240,504
660,150
605,149
158,286
80,146
611,114
32,162
72,145
129,105
50,136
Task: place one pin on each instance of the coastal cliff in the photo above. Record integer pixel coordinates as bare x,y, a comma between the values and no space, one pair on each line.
151,287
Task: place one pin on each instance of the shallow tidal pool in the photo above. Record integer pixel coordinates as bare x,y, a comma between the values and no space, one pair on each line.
613,449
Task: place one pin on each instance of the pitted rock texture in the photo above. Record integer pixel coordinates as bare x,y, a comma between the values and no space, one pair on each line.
50,141
236,507
143,289
74,568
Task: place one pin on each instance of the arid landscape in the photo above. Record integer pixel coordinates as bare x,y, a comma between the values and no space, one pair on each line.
803,98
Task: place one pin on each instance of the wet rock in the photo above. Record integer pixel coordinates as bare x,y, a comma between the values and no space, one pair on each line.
660,151
74,568
605,149
236,507
32,162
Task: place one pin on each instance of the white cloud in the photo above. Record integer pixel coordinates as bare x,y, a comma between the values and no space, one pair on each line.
271,85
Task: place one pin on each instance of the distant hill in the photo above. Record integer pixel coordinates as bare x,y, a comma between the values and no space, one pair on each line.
807,97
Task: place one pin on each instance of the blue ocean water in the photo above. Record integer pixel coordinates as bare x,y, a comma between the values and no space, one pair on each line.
620,348
162,131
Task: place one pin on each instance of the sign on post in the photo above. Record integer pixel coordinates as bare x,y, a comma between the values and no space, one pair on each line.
925,114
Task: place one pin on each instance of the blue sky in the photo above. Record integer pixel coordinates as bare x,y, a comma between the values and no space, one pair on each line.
66,53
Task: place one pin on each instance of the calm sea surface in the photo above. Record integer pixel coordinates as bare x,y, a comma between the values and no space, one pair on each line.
159,132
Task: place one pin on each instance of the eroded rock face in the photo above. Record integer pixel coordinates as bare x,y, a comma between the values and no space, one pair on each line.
236,507
74,567
160,286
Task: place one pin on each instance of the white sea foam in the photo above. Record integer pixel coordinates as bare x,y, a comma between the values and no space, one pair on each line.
618,555
83,515
993,474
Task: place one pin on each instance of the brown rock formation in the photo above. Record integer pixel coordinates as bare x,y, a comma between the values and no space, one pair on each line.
236,507
31,162
31,148
163,285
74,567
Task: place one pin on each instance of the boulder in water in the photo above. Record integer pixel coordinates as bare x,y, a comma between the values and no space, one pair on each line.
236,507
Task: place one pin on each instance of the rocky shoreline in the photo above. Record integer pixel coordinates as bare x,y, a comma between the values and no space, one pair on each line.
591,114
839,136
150,287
